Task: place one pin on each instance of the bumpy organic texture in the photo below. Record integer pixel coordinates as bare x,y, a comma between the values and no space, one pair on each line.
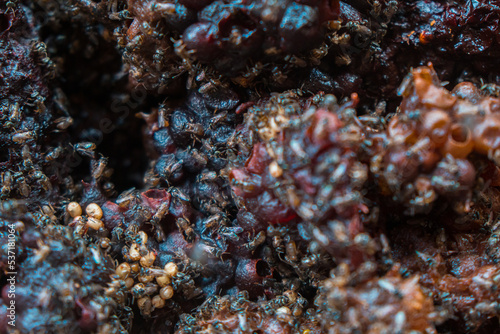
303,166
239,315
424,153
28,111
230,36
431,149
251,166
458,268
59,282
389,304
249,42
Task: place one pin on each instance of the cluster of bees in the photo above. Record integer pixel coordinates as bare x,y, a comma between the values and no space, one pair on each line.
150,286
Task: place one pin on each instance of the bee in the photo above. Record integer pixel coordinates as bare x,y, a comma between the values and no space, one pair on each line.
69,185
6,178
346,200
135,43
187,58
299,305
391,9
22,137
279,301
319,53
201,158
247,185
278,75
250,75
215,251
43,180
98,168
185,228
23,188
139,290
291,250
206,176
85,148
179,194
151,179
214,222
39,101
296,61
80,227
40,48
163,111
53,154
310,261
128,197
194,129
109,189
120,16
117,234
276,234
160,213
62,123
26,154
131,232
259,239
208,306
160,235
14,116
170,168
363,31
218,118
49,211
189,265
183,282
230,233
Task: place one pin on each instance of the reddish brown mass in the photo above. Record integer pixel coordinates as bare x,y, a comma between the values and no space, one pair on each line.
388,304
459,269
250,166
